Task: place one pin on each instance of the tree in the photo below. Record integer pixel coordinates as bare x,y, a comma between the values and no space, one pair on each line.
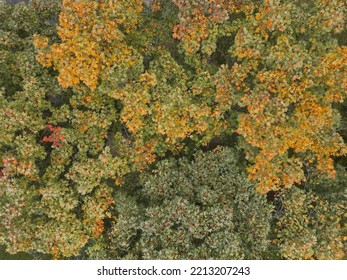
288,73
312,223
200,209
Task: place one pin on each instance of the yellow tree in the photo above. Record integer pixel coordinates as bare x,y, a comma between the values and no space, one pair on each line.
93,41
288,73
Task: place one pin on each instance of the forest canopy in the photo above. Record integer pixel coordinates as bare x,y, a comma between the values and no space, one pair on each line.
170,129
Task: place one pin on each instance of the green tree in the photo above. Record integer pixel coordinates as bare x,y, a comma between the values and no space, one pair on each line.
312,223
200,209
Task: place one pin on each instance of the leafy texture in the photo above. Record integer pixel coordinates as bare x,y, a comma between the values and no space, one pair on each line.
313,223
288,73
95,93
55,158
204,209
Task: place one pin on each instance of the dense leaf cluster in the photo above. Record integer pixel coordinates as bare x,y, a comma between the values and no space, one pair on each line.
204,209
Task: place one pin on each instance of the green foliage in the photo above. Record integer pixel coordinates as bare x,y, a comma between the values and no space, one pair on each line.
204,209
313,223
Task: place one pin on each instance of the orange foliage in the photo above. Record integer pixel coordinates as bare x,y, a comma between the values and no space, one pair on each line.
197,19
289,120
91,40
